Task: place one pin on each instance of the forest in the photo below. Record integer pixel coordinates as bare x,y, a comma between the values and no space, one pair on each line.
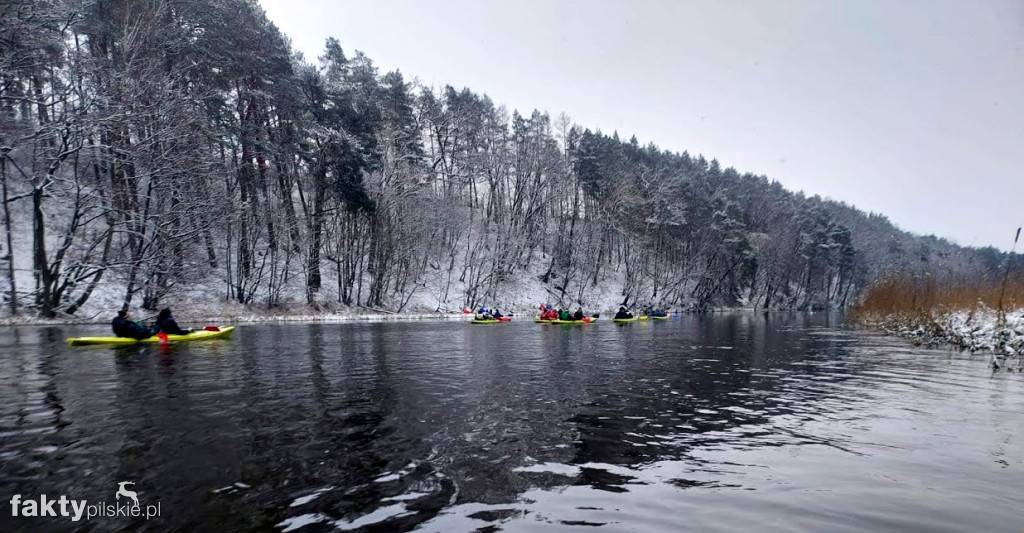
148,146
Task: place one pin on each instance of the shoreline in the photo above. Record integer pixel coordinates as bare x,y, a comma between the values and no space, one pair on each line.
215,319
262,316
976,331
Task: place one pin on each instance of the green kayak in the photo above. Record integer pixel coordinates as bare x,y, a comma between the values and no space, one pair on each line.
201,335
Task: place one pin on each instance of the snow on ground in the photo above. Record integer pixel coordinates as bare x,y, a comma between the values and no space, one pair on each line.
204,300
978,330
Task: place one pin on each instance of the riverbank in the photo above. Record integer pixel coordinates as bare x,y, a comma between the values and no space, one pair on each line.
227,313
960,314
230,313
978,330
204,303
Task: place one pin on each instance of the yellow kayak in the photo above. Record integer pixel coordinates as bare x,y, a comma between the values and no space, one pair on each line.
200,335
643,317
625,320
574,322
660,317
492,321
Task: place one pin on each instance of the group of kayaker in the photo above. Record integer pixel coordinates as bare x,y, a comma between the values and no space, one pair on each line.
123,326
654,311
657,312
549,313
488,314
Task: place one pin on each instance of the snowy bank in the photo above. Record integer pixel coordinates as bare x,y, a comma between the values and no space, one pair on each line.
233,313
978,330
227,313
207,312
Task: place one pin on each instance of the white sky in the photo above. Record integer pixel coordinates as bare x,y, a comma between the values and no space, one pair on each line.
914,109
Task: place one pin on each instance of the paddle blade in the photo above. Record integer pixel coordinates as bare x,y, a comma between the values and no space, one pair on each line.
163,337
211,328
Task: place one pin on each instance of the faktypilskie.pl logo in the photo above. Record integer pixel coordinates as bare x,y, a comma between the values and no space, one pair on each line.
77,510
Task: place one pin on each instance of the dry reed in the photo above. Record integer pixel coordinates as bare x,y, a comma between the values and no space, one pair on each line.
924,296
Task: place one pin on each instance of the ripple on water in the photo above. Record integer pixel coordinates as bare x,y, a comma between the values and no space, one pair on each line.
741,422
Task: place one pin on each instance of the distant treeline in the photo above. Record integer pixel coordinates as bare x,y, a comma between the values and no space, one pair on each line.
150,143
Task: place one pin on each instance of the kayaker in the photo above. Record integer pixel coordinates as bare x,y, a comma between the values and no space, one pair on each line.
497,314
166,323
623,314
564,315
123,327
579,314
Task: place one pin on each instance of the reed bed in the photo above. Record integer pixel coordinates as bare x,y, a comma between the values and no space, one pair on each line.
974,316
924,296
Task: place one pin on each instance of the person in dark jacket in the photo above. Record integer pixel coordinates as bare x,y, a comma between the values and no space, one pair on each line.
123,327
579,314
623,314
166,323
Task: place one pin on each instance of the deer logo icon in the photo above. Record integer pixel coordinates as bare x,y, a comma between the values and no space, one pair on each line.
122,491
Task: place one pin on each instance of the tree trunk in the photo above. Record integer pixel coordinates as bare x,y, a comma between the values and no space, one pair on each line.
314,279
44,283
7,229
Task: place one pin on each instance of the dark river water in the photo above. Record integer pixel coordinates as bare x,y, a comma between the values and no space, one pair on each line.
740,422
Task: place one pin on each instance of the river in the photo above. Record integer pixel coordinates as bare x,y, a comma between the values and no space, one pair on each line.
736,422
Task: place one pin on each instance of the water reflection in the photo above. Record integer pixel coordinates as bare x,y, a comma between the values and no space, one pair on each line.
761,421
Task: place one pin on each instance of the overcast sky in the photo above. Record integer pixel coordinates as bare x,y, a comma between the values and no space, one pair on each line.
912,109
